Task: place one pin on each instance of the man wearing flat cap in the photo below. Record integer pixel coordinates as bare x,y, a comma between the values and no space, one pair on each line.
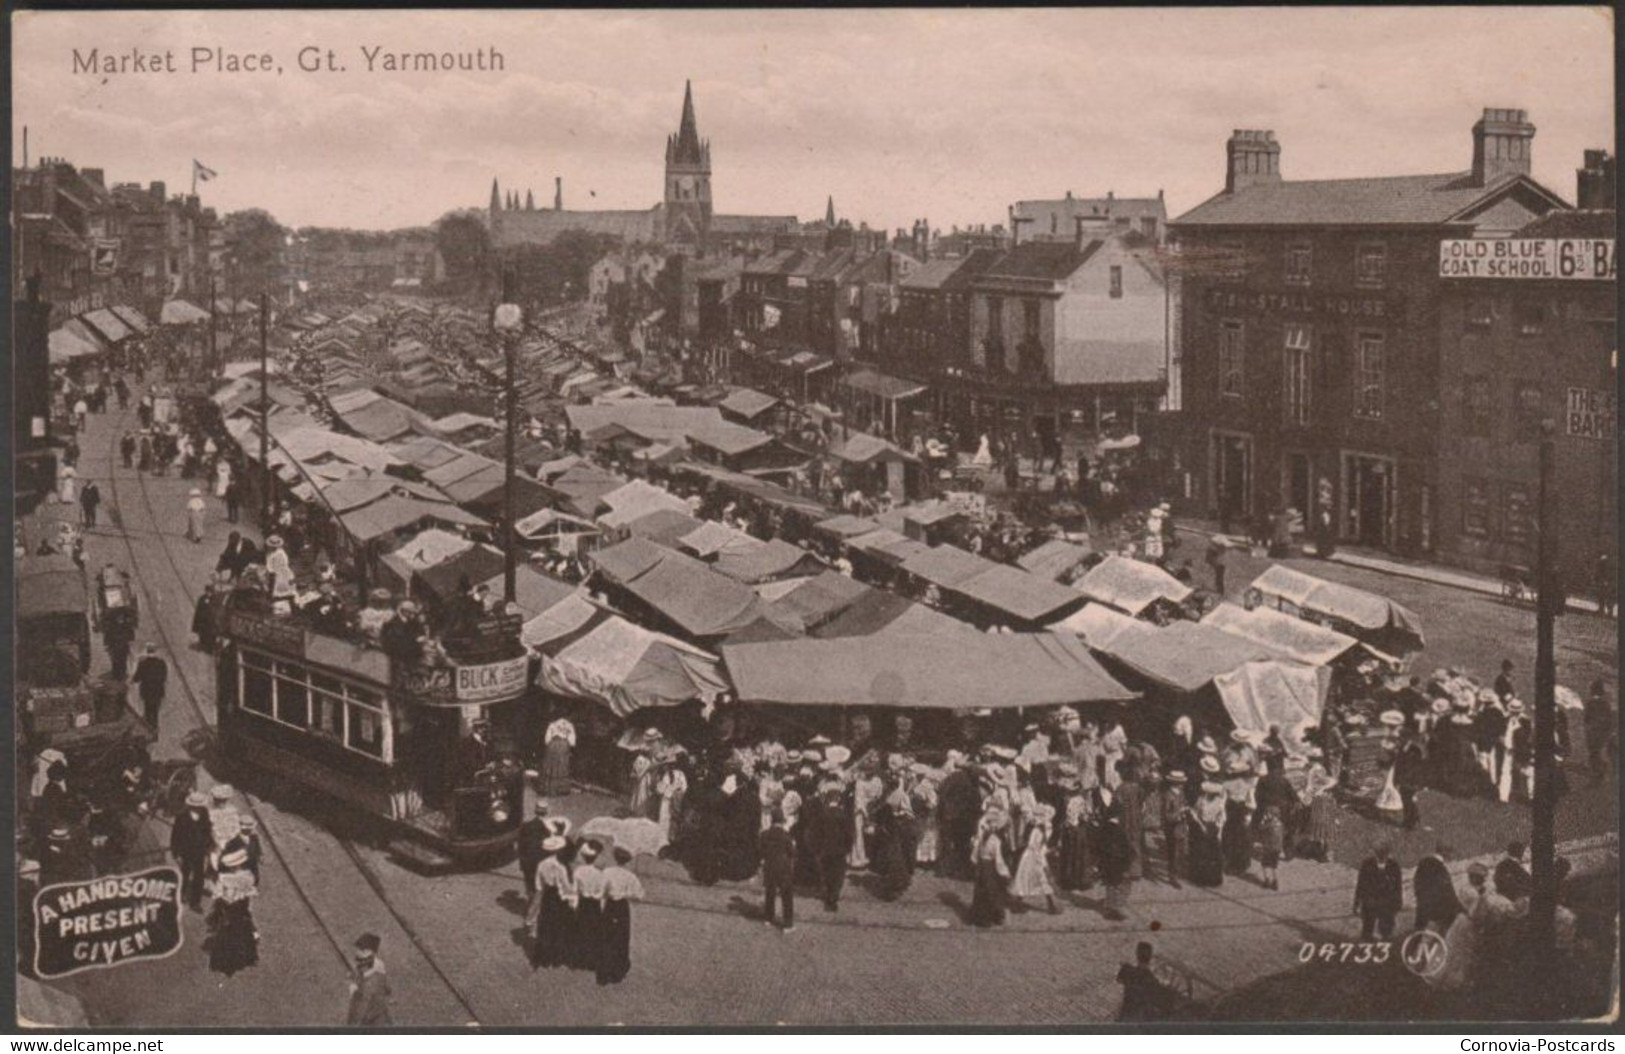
369,986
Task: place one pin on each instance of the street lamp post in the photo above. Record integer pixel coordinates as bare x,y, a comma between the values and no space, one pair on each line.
265,426
1543,809
508,320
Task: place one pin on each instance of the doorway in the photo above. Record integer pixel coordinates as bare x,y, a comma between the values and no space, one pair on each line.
1368,500
1232,477
1297,484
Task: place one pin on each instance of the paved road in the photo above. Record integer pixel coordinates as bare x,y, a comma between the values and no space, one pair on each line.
700,955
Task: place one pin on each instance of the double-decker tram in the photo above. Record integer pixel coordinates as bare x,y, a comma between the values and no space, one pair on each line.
404,738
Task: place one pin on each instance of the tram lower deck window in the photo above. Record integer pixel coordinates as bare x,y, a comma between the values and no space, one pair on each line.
366,731
257,691
292,696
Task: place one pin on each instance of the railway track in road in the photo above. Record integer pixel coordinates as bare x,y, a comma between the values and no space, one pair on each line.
199,712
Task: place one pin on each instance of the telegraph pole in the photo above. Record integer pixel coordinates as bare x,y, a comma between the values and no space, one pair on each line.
1543,810
265,424
214,354
510,540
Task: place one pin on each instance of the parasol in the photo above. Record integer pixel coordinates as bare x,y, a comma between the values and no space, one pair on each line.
635,834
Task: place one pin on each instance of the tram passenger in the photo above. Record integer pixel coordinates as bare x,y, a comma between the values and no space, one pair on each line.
372,618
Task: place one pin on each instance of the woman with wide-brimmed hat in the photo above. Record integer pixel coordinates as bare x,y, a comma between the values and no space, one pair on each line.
987,906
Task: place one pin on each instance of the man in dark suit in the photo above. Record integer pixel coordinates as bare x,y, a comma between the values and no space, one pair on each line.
829,839
778,851
151,678
189,842
532,833
1378,894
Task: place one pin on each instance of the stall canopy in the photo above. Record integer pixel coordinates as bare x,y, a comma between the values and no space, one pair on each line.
131,317
926,671
945,566
1285,695
109,325
882,386
763,561
535,593
1100,625
811,602
861,448
664,527
697,599
181,313
637,499
1303,641
1054,559
550,523
628,668
1130,585
747,403
1367,611
1184,656
582,487
1022,596
475,564
394,512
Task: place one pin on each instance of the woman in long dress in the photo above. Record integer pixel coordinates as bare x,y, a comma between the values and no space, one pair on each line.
557,743
1112,851
1032,872
672,789
587,947
550,906
1113,746
1321,808
925,808
222,477
233,941
67,486
642,795
866,791
987,903
621,888
1074,842
1207,818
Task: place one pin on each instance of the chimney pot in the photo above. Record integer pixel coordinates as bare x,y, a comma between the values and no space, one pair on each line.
1502,145
1251,156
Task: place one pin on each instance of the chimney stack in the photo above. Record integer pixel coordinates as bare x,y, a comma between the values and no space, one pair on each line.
558,193
1502,146
159,191
1251,156
1594,187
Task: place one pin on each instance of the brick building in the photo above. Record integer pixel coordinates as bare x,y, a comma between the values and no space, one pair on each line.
1515,352
1309,327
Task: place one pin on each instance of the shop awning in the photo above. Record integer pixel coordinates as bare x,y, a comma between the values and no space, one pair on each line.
1285,695
881,385
1130,585
109,325
964,671
66,345
131,317
1184,656
1368,611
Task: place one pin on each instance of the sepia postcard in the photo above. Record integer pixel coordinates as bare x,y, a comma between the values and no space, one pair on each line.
786,518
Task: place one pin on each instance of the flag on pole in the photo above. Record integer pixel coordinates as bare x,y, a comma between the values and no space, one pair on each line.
201,171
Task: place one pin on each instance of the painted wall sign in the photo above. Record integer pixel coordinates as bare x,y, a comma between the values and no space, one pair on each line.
1333,305
1575,259
107,922
1591,413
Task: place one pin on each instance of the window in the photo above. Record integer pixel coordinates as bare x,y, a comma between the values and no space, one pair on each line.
292,695
995,319
1231,353
1517,515
256,687
1116,282
1148,226
317,703
1529,318
1527,402
1371,265
1298,262
1031,316
1295,374
1475,508
1475,418
366,730
1368,376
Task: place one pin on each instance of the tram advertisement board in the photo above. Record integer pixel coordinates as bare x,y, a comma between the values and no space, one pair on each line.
277,635
492,682
106,922
1580,259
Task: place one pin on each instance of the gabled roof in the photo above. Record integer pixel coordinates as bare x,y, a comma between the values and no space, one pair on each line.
1049,261
1580,223
1373,201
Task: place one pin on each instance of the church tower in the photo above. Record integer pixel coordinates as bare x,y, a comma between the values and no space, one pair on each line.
688,179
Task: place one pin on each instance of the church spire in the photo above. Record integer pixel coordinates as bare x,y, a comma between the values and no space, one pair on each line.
829,212
530,201
496,197
685,147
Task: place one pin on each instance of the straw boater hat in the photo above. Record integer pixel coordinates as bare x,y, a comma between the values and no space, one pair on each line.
196,493
837,755
274,542
1003,753
221,792
1210,764
1514,707
1392,718
235,858
197,799
1440,706
553,843
1241,735
819,741
540,807
1209,787
60,833
1175,776
380,594
1207,746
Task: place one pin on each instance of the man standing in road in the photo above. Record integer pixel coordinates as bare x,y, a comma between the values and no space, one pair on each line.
829,839
778,851
89,498
1378,894
1216,548
151,678
369,986
118,633
1601,732
190,841
532,833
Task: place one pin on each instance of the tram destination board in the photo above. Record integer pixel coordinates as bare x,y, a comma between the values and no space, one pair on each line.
283,637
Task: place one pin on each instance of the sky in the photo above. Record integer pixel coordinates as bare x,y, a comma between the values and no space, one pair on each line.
948,115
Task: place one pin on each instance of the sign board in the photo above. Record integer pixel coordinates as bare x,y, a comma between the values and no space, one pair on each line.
276,634
106,922
493,682
1575,259
104,256
1591,413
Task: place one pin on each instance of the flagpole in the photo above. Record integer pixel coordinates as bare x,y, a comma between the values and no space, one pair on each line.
194,177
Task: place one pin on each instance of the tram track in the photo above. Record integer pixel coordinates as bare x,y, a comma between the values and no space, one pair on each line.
368,873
